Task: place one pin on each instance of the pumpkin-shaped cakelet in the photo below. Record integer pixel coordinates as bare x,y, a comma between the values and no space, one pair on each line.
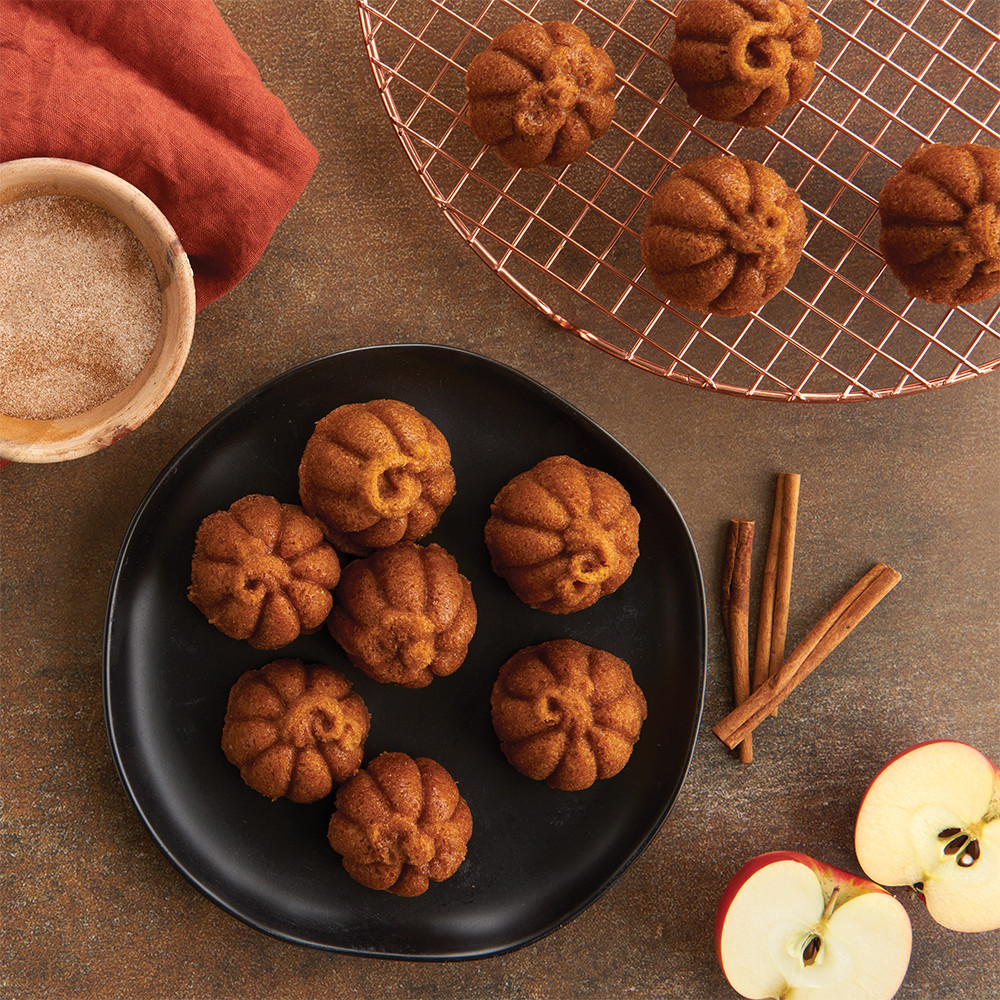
400,824
723,235
567,714
374,474
541,93
294,730
744,61
405,614
563,535
941,223
262,571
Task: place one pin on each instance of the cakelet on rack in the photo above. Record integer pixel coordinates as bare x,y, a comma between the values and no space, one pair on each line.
941,223
744,61
540,94
723,235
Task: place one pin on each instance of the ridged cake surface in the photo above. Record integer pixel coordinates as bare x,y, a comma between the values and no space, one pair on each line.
566,713
723,235
374,474
404,615
941,223
744,61
540,94
400,824
563,534
293,730
262,571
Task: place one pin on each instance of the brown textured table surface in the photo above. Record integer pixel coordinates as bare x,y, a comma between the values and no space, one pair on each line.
92,908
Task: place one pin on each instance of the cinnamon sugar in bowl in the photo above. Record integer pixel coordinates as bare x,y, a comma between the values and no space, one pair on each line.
97,309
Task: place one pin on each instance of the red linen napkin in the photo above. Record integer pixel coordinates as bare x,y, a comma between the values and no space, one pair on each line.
160,93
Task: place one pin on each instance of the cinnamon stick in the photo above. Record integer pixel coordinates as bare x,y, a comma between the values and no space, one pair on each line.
783,575
776,581
823,638
765,613
736,614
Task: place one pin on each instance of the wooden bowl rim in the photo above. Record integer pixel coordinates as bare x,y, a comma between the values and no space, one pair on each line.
81,434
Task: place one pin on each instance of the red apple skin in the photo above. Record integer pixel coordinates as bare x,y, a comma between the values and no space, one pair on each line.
917,746
850,885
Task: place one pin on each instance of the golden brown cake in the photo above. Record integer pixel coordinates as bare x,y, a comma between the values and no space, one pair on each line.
263,572
540,94
744,61
567,714
294,730
404,615
723,235
374,474
563,535
399,824
941,223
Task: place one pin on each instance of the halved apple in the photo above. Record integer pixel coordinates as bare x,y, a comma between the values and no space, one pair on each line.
931,819
791,927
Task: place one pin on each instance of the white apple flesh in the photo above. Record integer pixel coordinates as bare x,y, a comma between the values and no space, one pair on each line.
931,819
793,928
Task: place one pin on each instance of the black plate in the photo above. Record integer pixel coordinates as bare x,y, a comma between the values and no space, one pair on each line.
537,857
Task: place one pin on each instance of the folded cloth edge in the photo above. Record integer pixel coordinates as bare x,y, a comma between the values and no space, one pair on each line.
226,195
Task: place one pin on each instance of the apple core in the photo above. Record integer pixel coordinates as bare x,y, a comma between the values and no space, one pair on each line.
930,819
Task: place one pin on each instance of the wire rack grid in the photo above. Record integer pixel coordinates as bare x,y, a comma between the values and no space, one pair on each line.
892,76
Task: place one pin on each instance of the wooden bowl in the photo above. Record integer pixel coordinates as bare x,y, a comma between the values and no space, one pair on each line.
83,433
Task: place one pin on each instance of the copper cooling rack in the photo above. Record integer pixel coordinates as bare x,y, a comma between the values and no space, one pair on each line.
892,76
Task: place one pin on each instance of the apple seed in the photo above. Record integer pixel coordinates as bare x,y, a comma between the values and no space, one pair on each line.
954,846
970,855
811,950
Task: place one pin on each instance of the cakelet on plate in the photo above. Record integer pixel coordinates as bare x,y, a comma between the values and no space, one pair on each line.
400,824
262,571
295,731
404,615
563,535
374,474
566,713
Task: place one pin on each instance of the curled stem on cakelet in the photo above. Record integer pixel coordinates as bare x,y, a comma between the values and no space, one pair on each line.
743,61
